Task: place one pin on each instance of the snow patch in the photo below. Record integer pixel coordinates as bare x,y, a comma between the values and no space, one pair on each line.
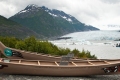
64,17
23,11
69,20
46,10
53,15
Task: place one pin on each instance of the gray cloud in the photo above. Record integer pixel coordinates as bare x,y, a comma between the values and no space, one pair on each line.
111,1
91,12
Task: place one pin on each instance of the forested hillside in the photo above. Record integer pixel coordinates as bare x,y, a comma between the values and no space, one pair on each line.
11,28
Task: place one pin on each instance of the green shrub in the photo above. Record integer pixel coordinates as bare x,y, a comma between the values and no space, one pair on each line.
31,44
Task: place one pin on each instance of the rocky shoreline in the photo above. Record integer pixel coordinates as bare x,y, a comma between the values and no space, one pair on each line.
27,77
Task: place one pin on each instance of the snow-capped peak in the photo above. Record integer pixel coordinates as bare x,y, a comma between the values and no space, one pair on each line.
31,6
53,12
57,13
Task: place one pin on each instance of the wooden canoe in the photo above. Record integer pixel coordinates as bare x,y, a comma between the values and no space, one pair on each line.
53,68
21,54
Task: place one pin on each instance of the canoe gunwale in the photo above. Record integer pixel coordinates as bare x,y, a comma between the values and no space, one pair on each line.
54,63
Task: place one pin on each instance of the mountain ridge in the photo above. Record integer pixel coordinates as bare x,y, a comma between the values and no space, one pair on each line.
11,28
49,23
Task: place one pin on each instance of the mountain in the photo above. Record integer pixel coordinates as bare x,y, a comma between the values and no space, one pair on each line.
49,23
11,28
114,27
72,20
109,27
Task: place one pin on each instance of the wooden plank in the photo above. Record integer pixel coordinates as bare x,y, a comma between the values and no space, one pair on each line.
74,64
38,62
56,63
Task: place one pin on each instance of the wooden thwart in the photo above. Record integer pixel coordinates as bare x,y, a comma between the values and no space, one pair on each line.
38,62
90,63
56,63
74,64
19,61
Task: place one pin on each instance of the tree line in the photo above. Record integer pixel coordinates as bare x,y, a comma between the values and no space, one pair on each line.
40,46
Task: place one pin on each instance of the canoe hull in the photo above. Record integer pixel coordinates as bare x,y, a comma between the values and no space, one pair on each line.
55,70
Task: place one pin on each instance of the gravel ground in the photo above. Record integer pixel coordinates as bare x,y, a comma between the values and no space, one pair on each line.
26,77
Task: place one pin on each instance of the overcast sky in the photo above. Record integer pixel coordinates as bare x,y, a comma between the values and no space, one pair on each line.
98,13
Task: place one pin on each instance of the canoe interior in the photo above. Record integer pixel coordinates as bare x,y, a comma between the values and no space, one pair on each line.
57,63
